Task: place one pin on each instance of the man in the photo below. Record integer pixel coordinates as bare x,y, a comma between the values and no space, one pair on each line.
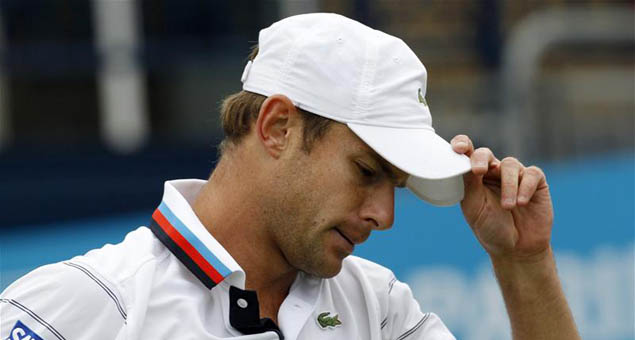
332,117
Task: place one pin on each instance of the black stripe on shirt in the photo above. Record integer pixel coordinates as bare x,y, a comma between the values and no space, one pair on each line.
102,285
415,328
181,255
384,323
390,284
35,317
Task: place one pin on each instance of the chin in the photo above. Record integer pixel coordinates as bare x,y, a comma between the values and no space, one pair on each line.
326,270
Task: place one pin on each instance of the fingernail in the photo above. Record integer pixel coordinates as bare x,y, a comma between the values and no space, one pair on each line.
481,164
508,201
522,198
461,144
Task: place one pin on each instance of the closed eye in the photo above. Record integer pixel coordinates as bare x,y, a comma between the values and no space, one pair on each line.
366,171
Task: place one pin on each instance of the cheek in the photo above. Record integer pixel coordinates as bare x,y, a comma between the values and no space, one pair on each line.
336,204
325,191
338,181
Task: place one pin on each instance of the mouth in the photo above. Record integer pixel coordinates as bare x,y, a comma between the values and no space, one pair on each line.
345,237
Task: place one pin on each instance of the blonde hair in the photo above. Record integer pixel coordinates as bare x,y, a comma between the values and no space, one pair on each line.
240,110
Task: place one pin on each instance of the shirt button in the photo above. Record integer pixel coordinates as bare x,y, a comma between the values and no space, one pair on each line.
242,303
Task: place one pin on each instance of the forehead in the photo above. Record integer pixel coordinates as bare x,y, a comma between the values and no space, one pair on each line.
348,140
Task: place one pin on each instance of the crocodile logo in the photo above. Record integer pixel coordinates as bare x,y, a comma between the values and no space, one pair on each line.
325,321
422,99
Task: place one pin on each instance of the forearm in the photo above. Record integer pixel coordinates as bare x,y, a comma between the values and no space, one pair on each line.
534,298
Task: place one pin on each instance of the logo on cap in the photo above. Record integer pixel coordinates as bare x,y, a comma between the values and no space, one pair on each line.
422,99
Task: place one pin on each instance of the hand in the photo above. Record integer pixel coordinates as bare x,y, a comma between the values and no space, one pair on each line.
506,204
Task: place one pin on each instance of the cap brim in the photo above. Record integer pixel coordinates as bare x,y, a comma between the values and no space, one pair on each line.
435,169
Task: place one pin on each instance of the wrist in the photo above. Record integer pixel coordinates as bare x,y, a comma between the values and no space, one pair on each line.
536,257
527,275
533,296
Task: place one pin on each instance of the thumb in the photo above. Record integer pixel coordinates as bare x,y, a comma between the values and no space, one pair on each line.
472,182
474,194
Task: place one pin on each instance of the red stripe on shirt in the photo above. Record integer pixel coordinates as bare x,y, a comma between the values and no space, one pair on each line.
186,246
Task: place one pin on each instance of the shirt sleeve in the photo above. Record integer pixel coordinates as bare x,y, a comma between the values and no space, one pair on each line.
406,321
62,301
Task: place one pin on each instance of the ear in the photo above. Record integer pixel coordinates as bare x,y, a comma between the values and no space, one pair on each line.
277,118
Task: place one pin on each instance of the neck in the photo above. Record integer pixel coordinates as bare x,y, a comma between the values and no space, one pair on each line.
229,209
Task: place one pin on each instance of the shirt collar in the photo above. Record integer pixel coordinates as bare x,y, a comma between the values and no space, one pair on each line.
179,229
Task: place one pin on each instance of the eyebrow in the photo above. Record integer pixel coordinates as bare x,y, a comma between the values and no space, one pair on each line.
386,167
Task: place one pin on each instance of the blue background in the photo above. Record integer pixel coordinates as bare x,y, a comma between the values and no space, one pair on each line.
594,209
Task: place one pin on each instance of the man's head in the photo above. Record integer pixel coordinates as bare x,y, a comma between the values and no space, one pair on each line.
313,206
326,189
332,117
339,69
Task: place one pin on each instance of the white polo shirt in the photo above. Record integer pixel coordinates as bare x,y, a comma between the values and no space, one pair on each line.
173,280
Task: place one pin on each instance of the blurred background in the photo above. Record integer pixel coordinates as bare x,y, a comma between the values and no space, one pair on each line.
102,101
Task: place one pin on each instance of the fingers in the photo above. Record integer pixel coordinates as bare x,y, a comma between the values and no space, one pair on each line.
516,183
532,178
462,144
510,169
482,160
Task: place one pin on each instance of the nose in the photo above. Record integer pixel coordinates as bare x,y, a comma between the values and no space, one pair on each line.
378,209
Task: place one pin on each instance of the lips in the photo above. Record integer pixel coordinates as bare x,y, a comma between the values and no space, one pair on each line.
351,236
345,237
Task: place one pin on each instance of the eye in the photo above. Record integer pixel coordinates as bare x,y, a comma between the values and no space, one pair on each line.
366,171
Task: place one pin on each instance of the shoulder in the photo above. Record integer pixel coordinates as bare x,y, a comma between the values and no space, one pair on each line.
372,280
87,294
364,264
365,282
400,315
366,272
119,262
56,300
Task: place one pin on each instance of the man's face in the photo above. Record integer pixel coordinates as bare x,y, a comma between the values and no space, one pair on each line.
329,200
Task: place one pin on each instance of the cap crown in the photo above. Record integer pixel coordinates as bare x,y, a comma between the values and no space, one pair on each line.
341,69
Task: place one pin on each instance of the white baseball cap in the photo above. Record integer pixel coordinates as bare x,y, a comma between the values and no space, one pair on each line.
340,69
